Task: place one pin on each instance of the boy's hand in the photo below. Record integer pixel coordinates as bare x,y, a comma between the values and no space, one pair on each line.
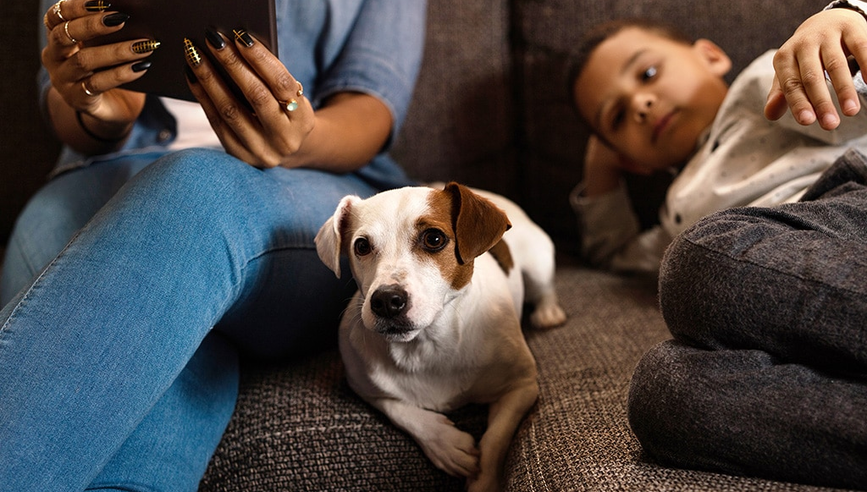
602,168
821,44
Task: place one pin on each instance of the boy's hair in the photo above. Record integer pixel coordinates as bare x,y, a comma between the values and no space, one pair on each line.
602,32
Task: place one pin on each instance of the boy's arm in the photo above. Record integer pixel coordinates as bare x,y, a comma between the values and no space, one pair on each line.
602,166
610,233
611,236
822,44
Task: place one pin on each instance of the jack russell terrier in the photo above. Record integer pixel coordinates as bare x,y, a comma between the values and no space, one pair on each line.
436,322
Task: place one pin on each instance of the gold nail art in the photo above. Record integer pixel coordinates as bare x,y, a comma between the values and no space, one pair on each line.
145,46
96,6
192,53
243,36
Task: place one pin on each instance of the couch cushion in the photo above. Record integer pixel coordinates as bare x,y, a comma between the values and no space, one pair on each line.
300,427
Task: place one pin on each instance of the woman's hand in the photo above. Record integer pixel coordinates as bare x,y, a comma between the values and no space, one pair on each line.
821,44
85,78
280,128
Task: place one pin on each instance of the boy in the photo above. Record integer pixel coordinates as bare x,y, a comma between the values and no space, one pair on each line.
765,373
657,102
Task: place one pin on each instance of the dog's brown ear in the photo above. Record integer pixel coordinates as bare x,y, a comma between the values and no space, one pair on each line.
477,222
330,236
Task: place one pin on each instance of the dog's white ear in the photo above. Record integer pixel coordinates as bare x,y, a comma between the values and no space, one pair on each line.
478,223
329,238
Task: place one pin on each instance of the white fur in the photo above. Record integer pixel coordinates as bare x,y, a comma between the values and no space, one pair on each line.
452,347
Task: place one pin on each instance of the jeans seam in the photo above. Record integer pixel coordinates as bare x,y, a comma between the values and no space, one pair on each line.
25,297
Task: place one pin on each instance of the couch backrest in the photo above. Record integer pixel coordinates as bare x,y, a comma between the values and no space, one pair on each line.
491,108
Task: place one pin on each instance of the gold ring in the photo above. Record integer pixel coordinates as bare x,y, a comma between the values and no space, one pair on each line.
57,10
300,91
86,90
66,30
288,106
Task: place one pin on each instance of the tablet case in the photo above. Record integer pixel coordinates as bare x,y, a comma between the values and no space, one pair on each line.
170,21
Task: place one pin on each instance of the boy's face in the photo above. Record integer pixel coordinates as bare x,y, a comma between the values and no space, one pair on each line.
651,97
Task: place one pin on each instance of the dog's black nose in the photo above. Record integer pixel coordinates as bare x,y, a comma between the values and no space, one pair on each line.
388,301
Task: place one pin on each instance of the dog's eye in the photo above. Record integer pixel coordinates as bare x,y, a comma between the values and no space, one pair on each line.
433,239
362,247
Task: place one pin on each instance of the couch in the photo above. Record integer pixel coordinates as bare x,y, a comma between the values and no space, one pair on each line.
491,110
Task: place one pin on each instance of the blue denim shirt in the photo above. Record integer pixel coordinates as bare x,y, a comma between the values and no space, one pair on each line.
330,46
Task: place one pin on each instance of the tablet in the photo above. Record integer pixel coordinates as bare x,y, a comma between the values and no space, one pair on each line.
170,21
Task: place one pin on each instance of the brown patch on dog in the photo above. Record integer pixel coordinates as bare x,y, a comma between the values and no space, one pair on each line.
477,222
458,274
471,222
345,228
503,255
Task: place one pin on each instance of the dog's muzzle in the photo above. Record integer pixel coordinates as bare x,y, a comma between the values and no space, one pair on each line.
390,304
389,301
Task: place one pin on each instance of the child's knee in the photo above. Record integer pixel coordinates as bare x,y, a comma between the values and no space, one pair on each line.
700,276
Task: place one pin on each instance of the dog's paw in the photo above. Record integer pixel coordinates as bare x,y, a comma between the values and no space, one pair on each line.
548,314
451,449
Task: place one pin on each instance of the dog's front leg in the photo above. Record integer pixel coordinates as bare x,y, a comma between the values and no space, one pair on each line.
450,449
504,416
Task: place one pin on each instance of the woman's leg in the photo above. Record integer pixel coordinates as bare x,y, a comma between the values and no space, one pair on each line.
55,213
766,375
90,347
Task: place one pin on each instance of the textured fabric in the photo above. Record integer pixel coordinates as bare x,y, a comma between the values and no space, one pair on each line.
767,308
300,427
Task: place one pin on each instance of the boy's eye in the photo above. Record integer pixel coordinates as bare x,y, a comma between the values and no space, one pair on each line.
649,73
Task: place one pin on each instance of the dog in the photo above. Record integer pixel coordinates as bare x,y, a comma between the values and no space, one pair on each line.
436,321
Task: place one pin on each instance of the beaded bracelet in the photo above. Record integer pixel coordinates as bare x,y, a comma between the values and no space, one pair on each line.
93,135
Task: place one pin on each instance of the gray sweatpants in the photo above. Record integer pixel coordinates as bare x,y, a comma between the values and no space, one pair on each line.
766,374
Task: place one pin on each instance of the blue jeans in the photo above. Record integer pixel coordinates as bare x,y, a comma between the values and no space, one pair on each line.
767,372
111,376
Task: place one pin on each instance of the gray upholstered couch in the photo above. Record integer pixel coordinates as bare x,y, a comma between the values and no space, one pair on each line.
491,110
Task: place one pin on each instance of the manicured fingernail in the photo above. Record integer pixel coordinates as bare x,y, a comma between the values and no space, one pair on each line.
114,19
96,5
244,37
145,46
191,76
850,107
141,66
192,53
805,117
214,39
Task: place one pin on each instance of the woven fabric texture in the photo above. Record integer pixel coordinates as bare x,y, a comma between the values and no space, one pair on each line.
300,427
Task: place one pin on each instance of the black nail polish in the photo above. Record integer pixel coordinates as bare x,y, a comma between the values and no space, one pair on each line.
96,5
115,19
244,37
191,76
141,66
214,39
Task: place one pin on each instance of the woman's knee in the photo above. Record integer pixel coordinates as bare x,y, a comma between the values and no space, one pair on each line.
195,174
